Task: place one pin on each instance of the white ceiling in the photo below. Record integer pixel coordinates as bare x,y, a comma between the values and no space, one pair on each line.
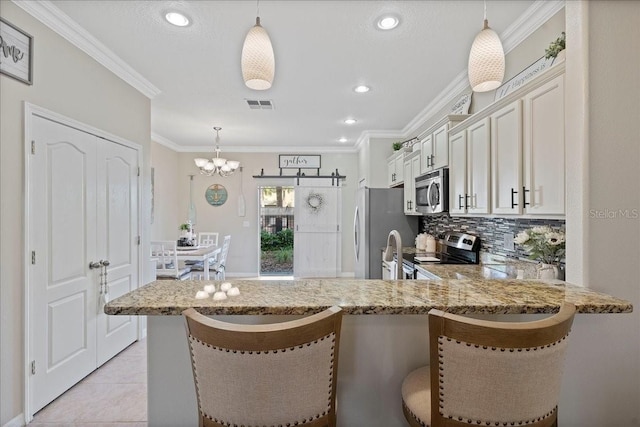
323,49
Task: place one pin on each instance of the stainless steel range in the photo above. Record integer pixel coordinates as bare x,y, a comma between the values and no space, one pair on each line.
457,248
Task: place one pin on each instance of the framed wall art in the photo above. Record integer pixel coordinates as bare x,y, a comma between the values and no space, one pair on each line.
16,53
216,195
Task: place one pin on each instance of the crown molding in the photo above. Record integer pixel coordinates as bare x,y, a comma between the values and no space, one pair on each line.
166,142
532,19
47,13
368,134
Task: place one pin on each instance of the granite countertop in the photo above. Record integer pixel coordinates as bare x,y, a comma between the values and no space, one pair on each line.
306,296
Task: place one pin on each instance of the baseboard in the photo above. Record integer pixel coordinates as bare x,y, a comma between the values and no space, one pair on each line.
16,422
347,274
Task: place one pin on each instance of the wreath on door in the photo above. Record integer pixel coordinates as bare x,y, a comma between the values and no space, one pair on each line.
315,201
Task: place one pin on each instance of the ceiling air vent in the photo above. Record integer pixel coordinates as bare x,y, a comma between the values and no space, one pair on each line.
263,104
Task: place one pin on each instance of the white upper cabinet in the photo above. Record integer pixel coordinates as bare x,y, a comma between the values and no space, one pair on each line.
469,165
411,171
509,158
478,149
440,155
395,168
544,150
527,148
458,173
506,159
434,144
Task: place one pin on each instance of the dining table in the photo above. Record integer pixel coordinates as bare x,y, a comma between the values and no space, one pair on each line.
199,253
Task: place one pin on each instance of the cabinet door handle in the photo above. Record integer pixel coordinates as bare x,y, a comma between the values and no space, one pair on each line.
466,197
513,193
459,201
524,196
431,156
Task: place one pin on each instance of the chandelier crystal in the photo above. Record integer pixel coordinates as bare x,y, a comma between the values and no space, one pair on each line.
217,165
486,59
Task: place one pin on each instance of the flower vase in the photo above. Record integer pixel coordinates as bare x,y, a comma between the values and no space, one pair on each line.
549,272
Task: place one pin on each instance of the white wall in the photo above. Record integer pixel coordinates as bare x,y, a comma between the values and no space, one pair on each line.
243,258
67,81
602,381
168,214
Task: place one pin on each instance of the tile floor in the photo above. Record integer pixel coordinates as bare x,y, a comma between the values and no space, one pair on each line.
115,395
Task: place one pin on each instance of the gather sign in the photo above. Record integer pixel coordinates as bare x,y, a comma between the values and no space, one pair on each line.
299,161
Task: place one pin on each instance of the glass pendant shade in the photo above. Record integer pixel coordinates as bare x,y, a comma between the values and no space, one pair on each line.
216,165
201,162
486,61
258,61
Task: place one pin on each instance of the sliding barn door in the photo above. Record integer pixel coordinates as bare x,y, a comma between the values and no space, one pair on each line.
82,210
317,237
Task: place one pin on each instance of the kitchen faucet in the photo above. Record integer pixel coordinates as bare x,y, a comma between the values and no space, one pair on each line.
394,240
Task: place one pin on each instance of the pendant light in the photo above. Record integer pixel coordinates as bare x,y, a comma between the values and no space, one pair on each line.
258,62
486,59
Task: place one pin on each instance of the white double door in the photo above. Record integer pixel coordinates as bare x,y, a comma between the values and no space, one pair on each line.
83,209
318,234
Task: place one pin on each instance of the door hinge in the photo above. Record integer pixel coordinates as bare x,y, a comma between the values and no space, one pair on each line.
33,147
138,240
33,257
33,367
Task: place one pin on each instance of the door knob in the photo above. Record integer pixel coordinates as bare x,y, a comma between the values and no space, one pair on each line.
105,263
94,264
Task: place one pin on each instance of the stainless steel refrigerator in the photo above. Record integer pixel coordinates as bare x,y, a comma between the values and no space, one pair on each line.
378,211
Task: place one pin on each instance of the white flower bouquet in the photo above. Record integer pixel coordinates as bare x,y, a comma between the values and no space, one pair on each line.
543,244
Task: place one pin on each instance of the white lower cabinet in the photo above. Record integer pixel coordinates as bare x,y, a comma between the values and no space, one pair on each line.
411,171
469,166
528,153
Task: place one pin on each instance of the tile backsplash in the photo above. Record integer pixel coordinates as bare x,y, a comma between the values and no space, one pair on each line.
490,230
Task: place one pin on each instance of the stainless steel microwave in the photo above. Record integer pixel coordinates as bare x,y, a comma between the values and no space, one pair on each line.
432,192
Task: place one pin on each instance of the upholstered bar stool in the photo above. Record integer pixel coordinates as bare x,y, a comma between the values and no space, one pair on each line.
281,374
489,373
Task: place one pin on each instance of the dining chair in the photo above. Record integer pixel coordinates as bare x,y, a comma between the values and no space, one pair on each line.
207,238
166,256
489,373
217,265
220,266
280,374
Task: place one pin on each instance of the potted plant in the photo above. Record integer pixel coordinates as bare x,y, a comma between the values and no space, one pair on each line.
555,47
186,230
397,146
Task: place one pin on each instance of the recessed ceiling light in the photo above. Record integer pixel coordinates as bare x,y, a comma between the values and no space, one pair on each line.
388,22
361,89
350,121
177,19
343,139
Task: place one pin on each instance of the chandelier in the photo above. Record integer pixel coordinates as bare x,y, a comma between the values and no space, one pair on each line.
486,59
217,165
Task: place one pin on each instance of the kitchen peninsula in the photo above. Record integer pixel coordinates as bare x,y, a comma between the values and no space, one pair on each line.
384,332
